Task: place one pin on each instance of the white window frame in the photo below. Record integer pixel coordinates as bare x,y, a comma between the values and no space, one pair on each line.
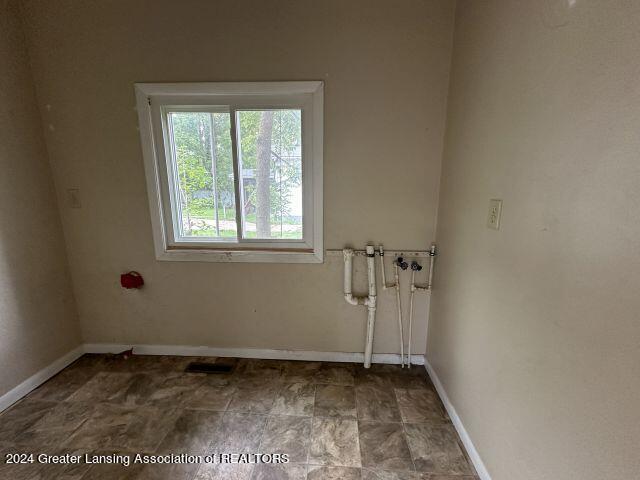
154,100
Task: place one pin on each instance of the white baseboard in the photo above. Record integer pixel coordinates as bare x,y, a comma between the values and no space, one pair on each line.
193,351
37,379
46,373
457,423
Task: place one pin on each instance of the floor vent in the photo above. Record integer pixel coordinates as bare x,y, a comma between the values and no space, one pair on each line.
200,367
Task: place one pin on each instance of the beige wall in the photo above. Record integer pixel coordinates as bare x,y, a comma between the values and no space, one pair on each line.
535,331
38,320
385,67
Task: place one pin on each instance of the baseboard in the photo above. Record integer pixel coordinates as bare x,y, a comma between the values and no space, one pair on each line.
193,351
457,423
37,379
34,381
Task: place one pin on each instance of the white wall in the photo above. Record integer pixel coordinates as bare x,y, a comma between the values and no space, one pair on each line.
535,331
385,67
38,319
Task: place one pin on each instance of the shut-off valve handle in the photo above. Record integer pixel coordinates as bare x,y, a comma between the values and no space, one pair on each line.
401,263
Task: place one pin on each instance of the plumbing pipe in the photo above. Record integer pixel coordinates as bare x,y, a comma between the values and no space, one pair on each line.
432,257
413,291
369,301
415,267
371,305
395,285
371,270
399,307
384,276
333,252
348,273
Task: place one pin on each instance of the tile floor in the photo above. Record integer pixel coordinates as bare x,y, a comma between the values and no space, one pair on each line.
334,421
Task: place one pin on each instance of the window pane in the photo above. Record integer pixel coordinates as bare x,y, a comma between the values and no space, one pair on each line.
270,156
204,171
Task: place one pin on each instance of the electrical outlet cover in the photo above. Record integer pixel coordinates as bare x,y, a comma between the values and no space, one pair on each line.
495,212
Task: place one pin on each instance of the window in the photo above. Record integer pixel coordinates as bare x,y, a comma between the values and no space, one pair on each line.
234,170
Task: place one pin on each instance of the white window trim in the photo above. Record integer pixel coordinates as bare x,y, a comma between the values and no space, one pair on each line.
150,97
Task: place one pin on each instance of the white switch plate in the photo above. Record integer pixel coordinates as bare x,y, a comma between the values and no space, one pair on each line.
495,211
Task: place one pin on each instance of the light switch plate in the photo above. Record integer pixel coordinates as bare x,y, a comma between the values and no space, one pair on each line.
495,212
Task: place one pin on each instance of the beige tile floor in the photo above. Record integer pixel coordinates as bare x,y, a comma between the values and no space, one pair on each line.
333,420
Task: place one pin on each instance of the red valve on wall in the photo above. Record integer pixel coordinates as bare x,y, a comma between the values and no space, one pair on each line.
131,280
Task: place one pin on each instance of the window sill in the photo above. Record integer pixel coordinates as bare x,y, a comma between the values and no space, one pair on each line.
177,254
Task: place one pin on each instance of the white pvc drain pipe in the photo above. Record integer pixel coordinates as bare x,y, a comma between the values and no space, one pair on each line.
370,301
